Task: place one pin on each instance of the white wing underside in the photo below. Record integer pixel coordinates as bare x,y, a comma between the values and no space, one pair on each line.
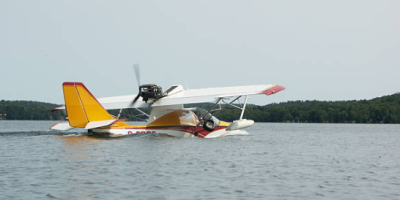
180,96
210,94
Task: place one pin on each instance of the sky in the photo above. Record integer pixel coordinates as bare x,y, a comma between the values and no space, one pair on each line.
318,50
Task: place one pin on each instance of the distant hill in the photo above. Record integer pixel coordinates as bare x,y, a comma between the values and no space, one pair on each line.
384,109
28,110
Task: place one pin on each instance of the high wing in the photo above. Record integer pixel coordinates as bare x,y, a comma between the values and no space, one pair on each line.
176,95
212,94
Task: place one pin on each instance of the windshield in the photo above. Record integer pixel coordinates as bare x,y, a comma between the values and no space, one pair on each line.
177,118
187,118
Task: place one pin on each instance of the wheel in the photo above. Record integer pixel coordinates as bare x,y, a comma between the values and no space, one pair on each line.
209,125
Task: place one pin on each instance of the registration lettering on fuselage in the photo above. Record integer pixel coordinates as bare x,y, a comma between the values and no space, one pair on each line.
146,132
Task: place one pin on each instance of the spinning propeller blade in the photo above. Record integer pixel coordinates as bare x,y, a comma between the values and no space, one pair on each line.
136,69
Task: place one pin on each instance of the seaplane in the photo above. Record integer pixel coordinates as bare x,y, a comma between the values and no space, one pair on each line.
168,114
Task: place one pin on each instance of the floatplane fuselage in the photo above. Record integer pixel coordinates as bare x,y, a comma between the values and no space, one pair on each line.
168,115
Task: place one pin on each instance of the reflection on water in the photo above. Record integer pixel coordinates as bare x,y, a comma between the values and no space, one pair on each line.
78,140
85,165
76,147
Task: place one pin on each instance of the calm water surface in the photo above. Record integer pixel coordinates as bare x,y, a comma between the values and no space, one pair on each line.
272,161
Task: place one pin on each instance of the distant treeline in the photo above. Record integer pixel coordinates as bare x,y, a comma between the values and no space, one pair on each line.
28,110
384,109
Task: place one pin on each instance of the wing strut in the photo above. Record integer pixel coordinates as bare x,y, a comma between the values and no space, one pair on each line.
143,113
244,107
209,111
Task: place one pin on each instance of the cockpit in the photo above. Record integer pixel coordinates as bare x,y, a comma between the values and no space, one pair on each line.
177,118
208,121
188,117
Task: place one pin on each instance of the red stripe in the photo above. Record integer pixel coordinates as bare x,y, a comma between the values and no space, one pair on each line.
188,129
201,133
53,126
273,90
69,83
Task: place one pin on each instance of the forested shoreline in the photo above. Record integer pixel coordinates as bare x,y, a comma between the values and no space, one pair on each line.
384,109
28,110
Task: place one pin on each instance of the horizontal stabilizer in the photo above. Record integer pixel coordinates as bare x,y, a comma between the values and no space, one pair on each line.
61,127
99,124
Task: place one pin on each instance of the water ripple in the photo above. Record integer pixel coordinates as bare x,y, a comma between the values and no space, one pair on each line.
273,161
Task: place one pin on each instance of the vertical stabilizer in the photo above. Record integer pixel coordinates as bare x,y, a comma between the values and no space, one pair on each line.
83,108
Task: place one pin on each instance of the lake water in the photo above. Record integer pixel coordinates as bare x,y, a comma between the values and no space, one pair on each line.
272,161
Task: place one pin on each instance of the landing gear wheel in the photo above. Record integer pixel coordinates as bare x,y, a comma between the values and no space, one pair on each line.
209,125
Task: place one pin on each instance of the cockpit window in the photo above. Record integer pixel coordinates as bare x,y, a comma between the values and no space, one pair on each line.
177,118
188,118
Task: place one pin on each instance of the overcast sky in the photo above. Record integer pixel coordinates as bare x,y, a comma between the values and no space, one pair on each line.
323,50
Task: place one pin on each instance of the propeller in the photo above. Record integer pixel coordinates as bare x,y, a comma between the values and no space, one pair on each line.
136,69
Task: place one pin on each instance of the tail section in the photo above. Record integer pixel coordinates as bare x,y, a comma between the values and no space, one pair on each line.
83,109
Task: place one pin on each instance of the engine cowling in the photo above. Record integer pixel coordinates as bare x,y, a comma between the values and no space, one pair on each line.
151,92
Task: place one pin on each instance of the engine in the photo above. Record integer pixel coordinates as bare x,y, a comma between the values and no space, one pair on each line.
151,92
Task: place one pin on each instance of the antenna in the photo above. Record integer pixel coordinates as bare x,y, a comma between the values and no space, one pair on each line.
187,86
